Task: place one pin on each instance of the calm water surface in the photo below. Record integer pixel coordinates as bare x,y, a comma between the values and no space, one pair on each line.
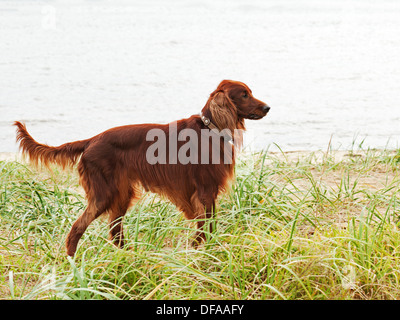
71,69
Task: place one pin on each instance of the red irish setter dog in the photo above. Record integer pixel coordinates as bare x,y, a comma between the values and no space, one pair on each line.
114,166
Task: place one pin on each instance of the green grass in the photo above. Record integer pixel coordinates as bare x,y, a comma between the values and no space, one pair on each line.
316,227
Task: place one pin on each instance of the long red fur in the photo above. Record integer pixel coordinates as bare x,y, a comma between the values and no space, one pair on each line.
113,168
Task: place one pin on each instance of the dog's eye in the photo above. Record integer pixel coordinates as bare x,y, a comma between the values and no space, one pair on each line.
245,95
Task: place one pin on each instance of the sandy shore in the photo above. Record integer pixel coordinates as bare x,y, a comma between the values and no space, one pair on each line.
10,156
317,156
375,177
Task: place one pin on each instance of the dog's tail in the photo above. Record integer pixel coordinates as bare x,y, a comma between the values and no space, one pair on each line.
64,155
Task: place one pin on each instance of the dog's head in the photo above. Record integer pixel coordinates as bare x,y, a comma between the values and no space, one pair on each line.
231,103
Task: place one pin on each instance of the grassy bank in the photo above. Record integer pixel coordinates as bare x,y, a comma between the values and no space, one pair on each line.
294,226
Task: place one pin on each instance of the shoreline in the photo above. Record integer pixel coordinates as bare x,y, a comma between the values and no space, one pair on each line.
10,156
295,155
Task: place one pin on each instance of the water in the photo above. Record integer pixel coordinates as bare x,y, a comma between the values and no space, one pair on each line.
71,69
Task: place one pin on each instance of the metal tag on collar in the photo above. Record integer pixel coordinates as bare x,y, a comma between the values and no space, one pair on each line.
205,120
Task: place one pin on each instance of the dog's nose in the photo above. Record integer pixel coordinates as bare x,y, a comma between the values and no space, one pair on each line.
266,108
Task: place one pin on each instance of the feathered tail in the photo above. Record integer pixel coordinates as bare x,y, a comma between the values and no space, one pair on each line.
64,155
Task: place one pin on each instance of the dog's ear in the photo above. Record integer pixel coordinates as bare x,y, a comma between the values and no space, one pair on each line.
223,112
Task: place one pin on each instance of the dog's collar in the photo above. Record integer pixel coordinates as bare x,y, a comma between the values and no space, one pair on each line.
207,122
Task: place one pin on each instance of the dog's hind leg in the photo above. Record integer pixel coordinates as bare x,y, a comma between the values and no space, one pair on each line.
128,192
79,227
99,199
116,214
